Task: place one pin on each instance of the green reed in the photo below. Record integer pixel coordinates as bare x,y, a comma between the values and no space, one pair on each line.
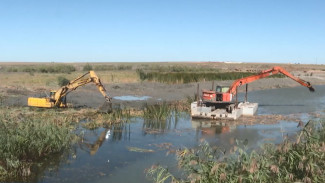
27,139
158,111
299,161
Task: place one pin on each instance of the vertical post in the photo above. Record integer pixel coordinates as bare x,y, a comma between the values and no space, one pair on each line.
236,97
246,93
212,85
197,94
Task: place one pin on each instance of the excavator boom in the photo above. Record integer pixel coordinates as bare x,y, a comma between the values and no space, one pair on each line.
266,73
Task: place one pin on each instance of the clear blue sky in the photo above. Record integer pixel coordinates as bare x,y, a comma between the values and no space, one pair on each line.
162,30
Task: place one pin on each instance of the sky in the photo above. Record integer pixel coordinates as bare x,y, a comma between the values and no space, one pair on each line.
277,31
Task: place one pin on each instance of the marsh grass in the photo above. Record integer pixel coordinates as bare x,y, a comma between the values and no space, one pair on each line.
158,111
29,138
154,126
164,116
299,161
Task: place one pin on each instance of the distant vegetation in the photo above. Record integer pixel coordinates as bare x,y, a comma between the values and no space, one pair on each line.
112,67
55,68
176,68
87,67
299,161
62,81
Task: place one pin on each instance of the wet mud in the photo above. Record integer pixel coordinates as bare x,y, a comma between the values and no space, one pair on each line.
137,95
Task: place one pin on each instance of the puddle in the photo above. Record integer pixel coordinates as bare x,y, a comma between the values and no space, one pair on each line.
122,152
131,98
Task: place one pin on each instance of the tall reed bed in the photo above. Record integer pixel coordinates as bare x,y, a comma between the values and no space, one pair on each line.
163,116
299,161
27,139
157,111
187,77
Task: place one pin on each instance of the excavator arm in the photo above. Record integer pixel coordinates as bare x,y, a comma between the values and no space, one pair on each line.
80,81
266,73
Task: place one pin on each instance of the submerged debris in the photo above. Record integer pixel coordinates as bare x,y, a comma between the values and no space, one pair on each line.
137,149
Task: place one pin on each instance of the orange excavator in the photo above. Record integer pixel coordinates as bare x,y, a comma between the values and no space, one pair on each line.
223,96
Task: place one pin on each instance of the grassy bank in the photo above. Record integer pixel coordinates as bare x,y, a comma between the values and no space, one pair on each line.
299,161
34,140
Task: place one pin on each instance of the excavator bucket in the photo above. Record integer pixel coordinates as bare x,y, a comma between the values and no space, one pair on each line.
106,108
311,89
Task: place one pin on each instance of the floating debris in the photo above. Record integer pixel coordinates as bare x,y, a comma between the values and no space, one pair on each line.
137,149
162,146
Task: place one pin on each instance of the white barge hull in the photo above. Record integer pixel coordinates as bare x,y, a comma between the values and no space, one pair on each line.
246,109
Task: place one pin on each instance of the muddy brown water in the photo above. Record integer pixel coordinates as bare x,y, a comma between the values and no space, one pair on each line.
116,154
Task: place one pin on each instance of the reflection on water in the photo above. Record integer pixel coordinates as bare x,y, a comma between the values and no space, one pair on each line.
152,126
116,132
92,148
103,156
209,128
121,131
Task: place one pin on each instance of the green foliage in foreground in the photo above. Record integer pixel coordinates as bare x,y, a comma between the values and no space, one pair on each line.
300,161
26,140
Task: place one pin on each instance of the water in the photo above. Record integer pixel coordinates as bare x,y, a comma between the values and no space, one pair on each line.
132,98
288,100
98,159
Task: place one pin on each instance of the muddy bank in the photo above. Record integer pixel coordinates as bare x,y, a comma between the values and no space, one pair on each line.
88,96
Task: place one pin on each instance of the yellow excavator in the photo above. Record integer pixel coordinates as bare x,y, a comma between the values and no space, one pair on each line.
58,98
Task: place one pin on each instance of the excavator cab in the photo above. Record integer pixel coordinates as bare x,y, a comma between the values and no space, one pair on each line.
222,95
222,89
52,94
63,99
219,95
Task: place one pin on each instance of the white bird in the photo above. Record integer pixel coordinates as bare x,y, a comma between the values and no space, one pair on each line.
108,133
